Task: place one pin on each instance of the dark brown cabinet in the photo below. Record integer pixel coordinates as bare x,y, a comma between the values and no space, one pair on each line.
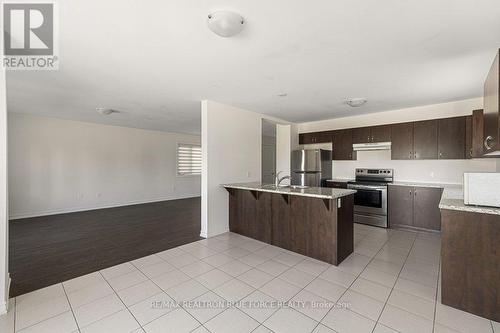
361,135
402,141
416,140
250,214
416,207
425,140
426,214
400,205
468,137
474,135
333,184
371,134
381,133
342,145
491,102
470,257
315,137
451,139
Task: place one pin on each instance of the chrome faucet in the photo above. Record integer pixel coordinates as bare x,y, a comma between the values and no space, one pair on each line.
278,180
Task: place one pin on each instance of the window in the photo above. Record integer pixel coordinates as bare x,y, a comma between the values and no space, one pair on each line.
188,159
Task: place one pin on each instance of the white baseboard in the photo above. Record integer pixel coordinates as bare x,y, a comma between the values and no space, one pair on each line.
15,216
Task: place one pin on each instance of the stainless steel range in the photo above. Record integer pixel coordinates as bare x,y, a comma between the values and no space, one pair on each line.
370,200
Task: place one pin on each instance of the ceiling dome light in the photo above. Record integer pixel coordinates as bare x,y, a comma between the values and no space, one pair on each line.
356,102
225,23
105,111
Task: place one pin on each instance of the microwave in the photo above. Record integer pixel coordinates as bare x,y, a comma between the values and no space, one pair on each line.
482,189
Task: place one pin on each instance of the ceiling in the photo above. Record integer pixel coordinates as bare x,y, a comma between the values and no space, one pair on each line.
155,60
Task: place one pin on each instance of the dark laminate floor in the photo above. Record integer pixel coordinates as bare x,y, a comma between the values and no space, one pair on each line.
51,249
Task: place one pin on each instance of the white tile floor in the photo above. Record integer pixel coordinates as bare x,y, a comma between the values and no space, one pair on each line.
390,284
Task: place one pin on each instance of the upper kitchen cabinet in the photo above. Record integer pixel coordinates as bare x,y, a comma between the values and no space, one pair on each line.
425,140
416,140
474,135
468,137
342,145
361,135
402,141
451,138
371,134
491,109
381,133
315,137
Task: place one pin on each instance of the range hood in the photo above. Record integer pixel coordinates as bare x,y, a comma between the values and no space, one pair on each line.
371,146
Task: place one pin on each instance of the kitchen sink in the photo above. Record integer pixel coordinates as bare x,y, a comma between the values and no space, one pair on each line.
293,187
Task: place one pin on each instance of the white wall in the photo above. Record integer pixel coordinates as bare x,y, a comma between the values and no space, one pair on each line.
283,149
439,171
62,166
435,171
231,144
4,226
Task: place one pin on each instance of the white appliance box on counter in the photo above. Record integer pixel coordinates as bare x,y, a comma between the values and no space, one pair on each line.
482,189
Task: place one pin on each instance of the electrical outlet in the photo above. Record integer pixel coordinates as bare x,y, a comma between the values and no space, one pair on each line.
248,174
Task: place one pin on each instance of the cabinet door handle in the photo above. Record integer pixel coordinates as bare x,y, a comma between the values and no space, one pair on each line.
470,152
440,154
410,192
487,142
411,155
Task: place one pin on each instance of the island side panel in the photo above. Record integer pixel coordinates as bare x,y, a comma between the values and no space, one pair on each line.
470,269
321,222
345,227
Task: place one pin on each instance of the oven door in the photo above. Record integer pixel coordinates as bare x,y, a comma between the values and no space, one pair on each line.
370,199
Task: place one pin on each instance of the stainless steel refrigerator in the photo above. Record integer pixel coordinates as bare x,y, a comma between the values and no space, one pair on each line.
311,167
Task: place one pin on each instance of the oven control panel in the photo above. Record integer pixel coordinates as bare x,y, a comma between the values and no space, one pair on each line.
367,172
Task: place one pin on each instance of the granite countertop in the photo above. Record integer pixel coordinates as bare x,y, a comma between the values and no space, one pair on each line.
423,184
453,199
458,204
340,180
313,192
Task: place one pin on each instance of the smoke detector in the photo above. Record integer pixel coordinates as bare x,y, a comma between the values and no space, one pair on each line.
225,23
106,111
356,102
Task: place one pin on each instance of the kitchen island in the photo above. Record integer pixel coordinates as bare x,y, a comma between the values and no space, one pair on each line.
314,221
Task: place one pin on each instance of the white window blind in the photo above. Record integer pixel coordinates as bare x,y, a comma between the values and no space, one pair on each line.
188,159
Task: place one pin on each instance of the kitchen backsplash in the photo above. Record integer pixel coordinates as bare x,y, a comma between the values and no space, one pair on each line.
435,171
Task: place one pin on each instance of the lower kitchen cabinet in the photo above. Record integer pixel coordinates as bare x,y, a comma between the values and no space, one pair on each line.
416,207
400,205
334,184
